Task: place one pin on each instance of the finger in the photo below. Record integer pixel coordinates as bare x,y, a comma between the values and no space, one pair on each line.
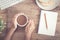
27,27
29,23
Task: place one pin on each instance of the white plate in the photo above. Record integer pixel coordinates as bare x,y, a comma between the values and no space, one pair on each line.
50,7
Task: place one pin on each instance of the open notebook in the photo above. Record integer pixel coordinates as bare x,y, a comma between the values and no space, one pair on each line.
7,3
47,24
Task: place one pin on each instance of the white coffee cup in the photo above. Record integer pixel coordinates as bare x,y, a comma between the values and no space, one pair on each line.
21,19
48,4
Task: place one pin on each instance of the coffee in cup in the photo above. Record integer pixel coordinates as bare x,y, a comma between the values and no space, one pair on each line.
21,20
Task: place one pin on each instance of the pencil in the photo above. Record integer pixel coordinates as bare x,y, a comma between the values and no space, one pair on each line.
45,21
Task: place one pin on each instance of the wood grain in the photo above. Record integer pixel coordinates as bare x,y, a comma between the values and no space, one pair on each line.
30,8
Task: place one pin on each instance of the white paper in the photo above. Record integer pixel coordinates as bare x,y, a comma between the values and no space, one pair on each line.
47,24
7,3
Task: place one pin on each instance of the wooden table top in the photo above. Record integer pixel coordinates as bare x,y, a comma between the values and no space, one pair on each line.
30,8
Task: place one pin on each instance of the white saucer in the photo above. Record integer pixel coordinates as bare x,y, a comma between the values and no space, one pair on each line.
46,7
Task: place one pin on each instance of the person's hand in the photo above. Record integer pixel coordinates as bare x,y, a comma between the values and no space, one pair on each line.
14,22
11,31
29,29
